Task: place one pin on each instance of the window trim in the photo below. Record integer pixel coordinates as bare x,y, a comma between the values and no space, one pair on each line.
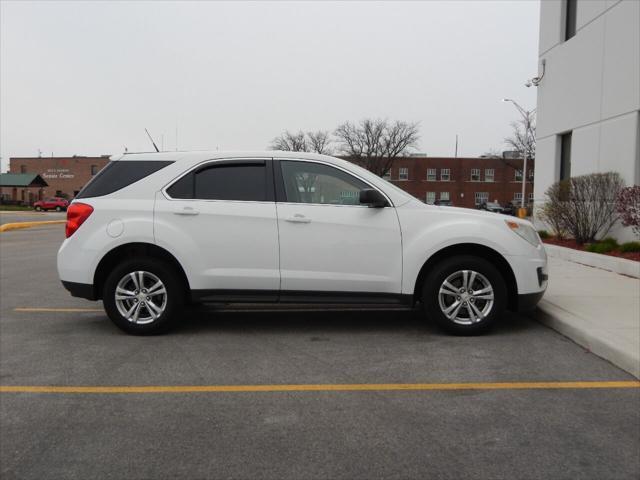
471,174
280,191
400,169
213,163
434,175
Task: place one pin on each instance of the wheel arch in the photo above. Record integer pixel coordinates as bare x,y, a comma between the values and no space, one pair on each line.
478,250
133,250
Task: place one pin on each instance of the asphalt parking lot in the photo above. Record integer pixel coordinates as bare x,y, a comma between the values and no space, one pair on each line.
48,338
30,216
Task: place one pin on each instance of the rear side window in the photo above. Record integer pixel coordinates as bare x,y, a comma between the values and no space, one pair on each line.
117,175
245,182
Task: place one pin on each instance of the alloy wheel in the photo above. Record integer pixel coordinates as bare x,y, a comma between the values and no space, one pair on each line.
141,297
466,297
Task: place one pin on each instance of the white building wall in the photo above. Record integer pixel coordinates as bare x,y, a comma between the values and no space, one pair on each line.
592,88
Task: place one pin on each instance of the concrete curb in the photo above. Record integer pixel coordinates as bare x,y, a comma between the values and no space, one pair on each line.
597,260
573,327
19,225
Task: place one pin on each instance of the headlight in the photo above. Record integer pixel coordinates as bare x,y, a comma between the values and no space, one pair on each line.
525,231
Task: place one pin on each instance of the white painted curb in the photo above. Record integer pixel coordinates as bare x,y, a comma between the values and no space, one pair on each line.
574,328
597,260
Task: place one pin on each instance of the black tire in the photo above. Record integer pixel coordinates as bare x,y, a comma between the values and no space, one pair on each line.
444,270
174,295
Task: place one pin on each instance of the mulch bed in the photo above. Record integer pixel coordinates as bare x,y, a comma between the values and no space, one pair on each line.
572,244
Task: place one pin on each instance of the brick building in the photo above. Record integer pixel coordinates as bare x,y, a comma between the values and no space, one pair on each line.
65,176
467,182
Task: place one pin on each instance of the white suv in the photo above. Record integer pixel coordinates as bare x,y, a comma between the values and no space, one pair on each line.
152,232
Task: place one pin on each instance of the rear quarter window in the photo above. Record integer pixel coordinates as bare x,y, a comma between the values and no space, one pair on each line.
117,175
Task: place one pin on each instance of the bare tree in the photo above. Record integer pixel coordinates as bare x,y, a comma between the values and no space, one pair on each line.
290,142
523,138
376,143
319,141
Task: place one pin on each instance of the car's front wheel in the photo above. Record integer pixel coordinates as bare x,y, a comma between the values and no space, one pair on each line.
143,296
465,295
38,208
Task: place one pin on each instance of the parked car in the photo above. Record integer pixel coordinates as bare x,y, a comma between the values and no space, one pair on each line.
151,232
494,207
443,203
56,203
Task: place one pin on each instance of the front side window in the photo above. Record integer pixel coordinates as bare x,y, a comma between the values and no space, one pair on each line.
445,174
489,174
431,174
308,182
234,182
403,173
475,174
431,197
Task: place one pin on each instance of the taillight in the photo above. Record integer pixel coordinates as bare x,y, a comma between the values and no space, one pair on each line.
77,213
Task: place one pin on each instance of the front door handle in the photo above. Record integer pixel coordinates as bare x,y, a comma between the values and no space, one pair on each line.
187,211
298,218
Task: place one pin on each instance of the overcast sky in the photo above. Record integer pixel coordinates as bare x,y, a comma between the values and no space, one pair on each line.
86,78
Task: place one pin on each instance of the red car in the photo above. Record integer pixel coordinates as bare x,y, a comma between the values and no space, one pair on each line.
56,203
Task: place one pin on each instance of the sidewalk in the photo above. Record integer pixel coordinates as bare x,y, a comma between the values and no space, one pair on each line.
597,309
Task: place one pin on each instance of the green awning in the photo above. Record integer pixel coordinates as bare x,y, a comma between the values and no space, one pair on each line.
22,180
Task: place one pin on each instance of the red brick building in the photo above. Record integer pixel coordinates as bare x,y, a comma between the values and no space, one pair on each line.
467,182
65,176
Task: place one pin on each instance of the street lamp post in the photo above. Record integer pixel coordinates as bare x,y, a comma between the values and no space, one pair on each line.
527,126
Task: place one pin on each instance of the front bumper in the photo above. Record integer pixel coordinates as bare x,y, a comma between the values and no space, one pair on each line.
81,290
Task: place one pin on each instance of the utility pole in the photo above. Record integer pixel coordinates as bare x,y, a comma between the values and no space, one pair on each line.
526,115
456,154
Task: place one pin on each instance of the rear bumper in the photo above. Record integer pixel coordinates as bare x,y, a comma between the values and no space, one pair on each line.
81,290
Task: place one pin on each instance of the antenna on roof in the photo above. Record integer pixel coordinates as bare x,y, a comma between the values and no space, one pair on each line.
154,143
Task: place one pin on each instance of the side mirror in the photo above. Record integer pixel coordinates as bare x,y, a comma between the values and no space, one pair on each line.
373,198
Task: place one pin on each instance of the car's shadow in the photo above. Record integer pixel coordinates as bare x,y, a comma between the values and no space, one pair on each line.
319,321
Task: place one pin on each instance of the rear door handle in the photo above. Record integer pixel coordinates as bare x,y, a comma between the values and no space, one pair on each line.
187,211
298,218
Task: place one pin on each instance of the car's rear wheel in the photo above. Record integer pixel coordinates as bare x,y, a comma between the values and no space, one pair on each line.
143,296
38,208
58,208
465,295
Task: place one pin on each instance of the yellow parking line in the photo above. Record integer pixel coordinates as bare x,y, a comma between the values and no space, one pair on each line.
53,310
379,387
18,225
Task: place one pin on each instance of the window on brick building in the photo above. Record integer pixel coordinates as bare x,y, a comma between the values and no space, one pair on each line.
489,174
518,175
94,169
531,198
23,169
531,175
445,174
387,176
475,174
403,173
431,198
481,197
432,175
444,196
517,198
